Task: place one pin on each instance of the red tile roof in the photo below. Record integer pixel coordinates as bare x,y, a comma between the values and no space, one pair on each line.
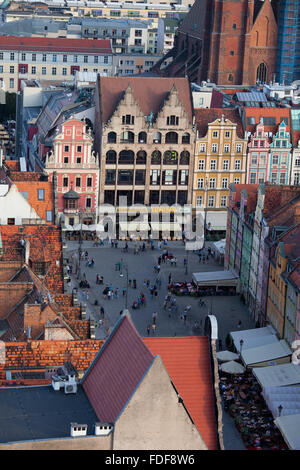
40,206
278,195
207,115
13,165
258,113
43,354
95,46
45,246
150,93
117,370
187,361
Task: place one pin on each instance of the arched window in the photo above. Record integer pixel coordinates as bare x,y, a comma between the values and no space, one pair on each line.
186,138
156,157
171,138
170,157
111,156
127,137
112,138
261,73
126,157
185,158
142,138
141,157
157,138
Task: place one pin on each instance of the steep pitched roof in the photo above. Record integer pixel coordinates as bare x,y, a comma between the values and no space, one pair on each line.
204,116
195,21
117,371
278,195
148,92
258,113
187,361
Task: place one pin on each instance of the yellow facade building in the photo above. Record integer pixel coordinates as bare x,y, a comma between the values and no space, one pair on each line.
220,159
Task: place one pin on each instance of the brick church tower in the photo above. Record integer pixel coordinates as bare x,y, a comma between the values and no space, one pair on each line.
229,42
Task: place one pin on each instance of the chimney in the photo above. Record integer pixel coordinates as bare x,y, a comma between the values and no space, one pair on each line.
27,251
103,429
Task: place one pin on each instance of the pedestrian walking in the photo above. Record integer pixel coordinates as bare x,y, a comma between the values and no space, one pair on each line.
154,317
148,330
239,324
155,294
134,283
124,291
170,278
153,328
102,312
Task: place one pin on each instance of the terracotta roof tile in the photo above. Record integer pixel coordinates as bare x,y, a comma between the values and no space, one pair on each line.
258,113
187,361
32,187
13,43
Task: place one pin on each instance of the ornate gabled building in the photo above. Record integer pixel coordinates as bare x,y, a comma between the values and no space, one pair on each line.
76,169
280,156
258,156
145,137
228,42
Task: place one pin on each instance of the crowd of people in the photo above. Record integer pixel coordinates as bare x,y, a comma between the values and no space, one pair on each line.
244,402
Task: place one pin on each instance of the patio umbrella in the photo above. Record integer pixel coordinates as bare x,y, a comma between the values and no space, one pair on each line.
232,367
67,227
96,228
224,356
78,227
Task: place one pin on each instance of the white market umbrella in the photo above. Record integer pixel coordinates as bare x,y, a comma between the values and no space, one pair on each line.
68,227
227,356
232,367
96,228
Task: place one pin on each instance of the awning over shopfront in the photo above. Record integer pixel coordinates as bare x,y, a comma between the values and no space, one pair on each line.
266,355
216,278
254,337
289,426
285,398
281,375
216,220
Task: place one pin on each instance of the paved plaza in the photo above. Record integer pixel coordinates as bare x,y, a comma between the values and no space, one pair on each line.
229,310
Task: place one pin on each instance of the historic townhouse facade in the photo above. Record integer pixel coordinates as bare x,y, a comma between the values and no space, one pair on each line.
23,58
295,165
280,156
75,167
220,159
258,156
145,137
292,324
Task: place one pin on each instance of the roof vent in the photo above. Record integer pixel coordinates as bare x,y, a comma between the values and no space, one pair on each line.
103,429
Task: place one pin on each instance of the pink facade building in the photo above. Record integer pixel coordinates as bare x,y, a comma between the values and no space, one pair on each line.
258,156
76,168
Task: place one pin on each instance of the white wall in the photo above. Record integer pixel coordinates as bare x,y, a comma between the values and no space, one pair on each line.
13,205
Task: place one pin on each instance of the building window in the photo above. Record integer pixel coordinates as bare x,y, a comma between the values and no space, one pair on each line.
66,148
227,134
273,178
88,202
202,148
11,69
64,71
44,57
237,164
275,159
225,164
78,182
33,70
226,148
128,119
105,60
214,148
223,201
238,148
213,164
22,70
232,53
200,183
224,183
201,164
44,71
54,58
211,201
11,83
78,160
33,57
199,201
254,160
75,59
65,58
85,59
172,121
236,180
65,182
212,183
215,134
49,216
12,56
252,178
282,178
23,56
41,194
89,182
53,70
10,221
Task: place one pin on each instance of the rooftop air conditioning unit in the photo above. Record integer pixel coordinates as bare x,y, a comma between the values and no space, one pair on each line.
70,388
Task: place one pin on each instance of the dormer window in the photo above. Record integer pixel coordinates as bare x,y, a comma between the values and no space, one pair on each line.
128,119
